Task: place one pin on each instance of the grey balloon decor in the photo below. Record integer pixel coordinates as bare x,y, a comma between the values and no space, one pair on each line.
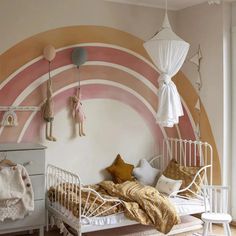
79,56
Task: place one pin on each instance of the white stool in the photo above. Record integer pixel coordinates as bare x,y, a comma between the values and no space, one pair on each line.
216,208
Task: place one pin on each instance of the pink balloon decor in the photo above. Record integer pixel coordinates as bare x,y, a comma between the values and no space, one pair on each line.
49,53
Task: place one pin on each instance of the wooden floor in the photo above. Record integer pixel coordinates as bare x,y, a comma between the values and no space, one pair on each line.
218,230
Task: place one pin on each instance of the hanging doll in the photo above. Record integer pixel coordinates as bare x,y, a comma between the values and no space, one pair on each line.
48,113
78,57
78,112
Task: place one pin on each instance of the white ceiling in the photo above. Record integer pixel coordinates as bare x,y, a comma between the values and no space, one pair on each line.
172,4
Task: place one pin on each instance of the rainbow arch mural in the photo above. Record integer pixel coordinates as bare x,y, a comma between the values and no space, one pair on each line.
118,68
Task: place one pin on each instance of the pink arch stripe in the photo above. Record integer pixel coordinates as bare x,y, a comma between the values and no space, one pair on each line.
39,68
96,92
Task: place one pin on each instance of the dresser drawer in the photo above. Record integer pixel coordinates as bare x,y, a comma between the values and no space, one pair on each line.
36,218
38,183
33,160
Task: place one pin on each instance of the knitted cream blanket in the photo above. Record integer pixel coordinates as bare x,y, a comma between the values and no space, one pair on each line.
16,193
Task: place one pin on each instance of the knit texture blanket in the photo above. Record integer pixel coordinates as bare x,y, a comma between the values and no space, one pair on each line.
16,193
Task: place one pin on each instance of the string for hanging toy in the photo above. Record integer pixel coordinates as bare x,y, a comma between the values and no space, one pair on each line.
49,53
79,57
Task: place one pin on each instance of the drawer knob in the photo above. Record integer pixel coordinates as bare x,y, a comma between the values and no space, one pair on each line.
28,163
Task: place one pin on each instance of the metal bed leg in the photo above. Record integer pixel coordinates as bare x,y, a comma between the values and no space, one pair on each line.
41,231
210,228
79,230
47,219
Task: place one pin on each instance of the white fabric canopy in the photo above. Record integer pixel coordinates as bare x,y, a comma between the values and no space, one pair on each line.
168,52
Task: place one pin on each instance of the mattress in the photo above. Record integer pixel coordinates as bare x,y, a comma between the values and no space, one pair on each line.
96,221
188,223
188,207
183,207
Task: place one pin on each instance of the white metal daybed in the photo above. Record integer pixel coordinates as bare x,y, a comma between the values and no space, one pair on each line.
186,152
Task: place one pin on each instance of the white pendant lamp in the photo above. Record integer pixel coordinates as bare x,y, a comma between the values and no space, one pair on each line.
168,52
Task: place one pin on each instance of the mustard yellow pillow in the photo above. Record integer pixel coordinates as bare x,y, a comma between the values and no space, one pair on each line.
185,173
120,170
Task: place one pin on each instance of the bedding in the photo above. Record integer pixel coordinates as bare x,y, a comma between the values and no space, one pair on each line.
185,173
143,204
145,173
99,221
66,194
183,207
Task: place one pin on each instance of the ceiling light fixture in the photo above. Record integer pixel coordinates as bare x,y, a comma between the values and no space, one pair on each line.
210,2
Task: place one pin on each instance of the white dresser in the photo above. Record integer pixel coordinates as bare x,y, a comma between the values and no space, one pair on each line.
32,156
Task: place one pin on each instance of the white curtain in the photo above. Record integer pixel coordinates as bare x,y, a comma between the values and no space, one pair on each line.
168,53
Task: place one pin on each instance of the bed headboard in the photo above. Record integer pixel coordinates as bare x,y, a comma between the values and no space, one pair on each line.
187,153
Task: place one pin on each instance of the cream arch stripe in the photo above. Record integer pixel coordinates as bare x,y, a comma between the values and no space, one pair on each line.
8,79
101,82
128,70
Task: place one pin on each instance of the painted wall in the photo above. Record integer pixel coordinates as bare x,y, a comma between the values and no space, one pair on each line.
202,24
117,69
118,81
111,134
233,14
40,16
233,109
113,126
209,26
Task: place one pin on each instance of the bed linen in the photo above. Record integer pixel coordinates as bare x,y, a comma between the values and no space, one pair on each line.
144,204
67,195
141,203
98,221
184,207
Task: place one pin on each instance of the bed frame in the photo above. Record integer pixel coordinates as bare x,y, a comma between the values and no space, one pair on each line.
186,152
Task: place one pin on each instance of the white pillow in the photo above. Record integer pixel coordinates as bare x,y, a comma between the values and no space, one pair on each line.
168,186
145,173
